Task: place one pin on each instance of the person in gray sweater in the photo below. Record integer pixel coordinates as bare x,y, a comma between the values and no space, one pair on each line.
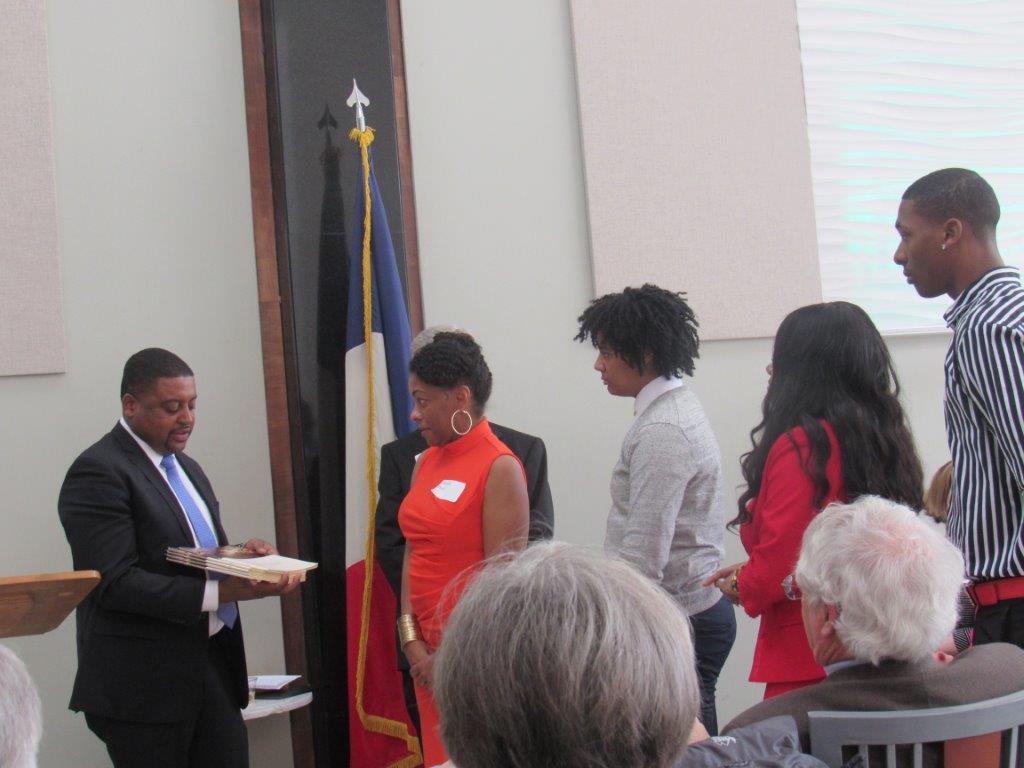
667,517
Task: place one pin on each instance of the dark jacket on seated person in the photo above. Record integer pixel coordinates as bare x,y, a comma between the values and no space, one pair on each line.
772,743
979,673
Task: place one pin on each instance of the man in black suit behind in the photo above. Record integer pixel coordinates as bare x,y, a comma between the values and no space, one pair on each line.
161,664
397,461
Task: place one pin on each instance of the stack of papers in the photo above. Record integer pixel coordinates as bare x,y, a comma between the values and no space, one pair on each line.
238,561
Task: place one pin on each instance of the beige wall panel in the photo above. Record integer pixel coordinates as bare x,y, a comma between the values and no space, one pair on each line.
31,328
695,148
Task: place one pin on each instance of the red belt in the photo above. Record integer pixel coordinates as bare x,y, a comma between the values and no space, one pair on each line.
991,592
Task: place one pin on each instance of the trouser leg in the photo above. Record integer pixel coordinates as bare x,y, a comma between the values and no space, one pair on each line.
1000,623
212,737
714,632
142,745
220,739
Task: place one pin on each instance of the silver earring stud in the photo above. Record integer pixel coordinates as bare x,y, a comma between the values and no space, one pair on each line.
943,246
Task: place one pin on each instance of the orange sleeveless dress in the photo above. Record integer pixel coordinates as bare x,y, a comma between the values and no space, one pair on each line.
442,520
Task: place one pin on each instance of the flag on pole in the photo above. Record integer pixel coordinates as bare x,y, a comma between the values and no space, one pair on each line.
377,408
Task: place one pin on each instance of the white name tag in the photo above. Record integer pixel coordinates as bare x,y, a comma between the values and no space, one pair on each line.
448,490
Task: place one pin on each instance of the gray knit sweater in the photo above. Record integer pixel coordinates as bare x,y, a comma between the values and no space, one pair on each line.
666,516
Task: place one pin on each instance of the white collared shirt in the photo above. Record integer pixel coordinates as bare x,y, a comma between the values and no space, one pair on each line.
652,391
831,669
211,594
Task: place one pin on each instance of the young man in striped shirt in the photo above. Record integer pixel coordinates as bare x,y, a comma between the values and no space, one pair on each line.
947,226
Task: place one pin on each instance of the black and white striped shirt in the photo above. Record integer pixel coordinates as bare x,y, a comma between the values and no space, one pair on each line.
985,424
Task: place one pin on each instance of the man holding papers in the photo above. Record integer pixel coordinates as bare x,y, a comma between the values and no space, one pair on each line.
161,664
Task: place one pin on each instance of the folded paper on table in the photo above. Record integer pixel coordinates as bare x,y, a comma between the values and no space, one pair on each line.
270,682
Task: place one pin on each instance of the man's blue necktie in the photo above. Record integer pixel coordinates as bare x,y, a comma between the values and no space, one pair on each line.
227,612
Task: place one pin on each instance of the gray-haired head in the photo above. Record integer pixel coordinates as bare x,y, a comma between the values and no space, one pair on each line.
894,578
560,656
424,337
21,720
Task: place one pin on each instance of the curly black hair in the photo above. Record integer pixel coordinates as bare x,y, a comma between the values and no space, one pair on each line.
644,322
452,359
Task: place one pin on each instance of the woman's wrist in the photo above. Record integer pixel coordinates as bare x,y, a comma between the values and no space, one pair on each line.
408,630
733,583
416,651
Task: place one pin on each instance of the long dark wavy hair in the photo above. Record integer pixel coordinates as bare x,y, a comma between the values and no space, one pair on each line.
830,363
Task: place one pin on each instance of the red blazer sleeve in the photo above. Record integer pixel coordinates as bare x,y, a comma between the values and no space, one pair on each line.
781,513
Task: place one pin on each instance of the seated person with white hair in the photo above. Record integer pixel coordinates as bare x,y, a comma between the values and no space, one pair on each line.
20,713
879,588
559,656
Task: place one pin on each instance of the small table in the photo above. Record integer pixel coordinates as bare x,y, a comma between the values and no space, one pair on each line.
263,707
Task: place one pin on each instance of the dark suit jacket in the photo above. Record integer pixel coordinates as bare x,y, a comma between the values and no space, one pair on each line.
142,639
977,674
397,461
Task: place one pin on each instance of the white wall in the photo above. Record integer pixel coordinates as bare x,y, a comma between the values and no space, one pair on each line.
156,249
503,244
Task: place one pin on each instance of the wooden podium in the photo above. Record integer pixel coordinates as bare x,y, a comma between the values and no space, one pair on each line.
32,605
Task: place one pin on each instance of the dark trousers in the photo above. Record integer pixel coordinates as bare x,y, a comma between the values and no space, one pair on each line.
714,632
214,738
1000,623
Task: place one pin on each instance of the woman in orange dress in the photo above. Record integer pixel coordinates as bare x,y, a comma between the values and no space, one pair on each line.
468,501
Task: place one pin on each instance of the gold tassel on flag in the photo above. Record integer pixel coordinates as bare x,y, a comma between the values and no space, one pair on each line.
374,723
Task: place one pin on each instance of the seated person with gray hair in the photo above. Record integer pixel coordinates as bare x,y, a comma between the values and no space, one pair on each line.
559,656
879,589
21,722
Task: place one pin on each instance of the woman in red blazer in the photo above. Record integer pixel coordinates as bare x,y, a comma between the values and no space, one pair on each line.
832,429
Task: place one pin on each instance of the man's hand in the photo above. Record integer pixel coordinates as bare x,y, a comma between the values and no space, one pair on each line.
234,588
260,547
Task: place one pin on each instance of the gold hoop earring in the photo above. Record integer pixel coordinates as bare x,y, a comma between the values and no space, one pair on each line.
456,429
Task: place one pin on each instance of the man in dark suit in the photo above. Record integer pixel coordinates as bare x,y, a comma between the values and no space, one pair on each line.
880,590
397,461
161,664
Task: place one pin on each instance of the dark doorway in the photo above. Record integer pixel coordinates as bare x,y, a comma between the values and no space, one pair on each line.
310,52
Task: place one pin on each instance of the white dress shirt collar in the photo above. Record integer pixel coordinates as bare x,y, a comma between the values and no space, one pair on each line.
831,669
652,391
